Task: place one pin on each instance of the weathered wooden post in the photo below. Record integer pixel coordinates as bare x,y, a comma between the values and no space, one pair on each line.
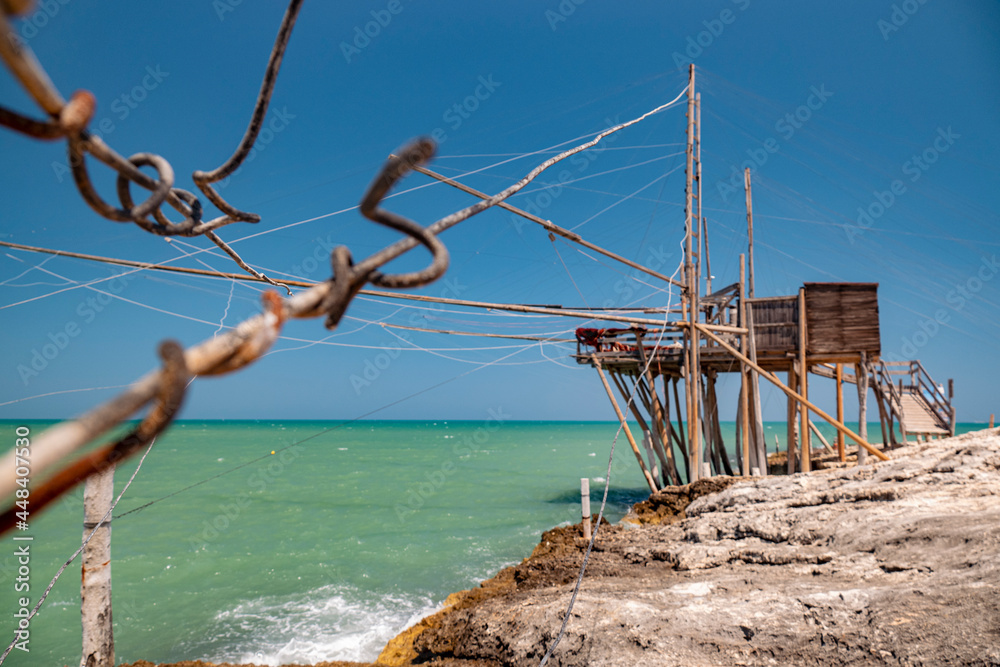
744,409
841,453
861,378
951,395
806,444
95,585
585,504
793,424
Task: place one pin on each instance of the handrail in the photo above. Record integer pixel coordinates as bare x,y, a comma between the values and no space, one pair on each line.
935,398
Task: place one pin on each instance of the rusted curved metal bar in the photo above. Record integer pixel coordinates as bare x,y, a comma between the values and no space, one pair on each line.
204,179
161,189
416,153
169,399
70,120
36,129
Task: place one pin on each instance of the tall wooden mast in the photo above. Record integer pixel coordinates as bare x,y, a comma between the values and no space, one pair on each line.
692,372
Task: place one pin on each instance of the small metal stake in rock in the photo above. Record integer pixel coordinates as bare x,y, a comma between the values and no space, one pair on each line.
585,502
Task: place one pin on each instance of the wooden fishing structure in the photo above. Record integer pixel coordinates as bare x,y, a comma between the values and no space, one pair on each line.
829,330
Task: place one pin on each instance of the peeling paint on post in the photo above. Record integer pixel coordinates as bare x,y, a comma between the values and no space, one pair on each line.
95,586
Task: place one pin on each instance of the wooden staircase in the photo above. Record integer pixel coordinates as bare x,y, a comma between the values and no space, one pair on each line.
920,417
907,396
921,407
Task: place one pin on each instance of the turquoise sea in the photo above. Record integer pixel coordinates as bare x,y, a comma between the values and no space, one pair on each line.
325,549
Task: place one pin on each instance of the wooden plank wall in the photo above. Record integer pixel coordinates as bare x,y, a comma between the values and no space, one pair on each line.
842,317
775,321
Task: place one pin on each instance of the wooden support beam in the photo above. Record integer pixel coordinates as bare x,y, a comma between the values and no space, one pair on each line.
628,432
804,385
841,451
549,226
95,585
776,382
792,424
885,419
717,443
655,409
746,186
668,473
682,434
826,445
744,408
757,433
861,373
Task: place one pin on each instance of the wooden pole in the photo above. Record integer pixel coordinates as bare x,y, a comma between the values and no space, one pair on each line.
682,434
692,371
804,385
717,443
585,505
951,395
697,179
651,460
841,451
621,384
757,432
991,420
861,378
770,377
708,256
628,432
746,186
656,413
554,229
744,371
792,437
885,419
95,586
812,427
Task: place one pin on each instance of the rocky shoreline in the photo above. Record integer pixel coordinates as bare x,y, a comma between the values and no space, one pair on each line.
890,564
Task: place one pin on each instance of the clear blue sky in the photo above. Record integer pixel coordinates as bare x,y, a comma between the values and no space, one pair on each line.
830,103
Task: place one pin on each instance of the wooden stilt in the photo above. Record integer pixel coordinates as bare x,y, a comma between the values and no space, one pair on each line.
681,433
746,186
885,419
95,587
628,431
674,436
744,409
841,452
667,472
826,445
792,440
741,461
692,369
806,447
757,425
718,445
770,377
651,460
861,375
655,411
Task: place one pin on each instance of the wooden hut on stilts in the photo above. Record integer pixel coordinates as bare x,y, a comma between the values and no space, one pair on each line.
825,330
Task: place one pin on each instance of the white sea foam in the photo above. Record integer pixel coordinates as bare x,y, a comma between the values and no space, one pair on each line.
329,623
